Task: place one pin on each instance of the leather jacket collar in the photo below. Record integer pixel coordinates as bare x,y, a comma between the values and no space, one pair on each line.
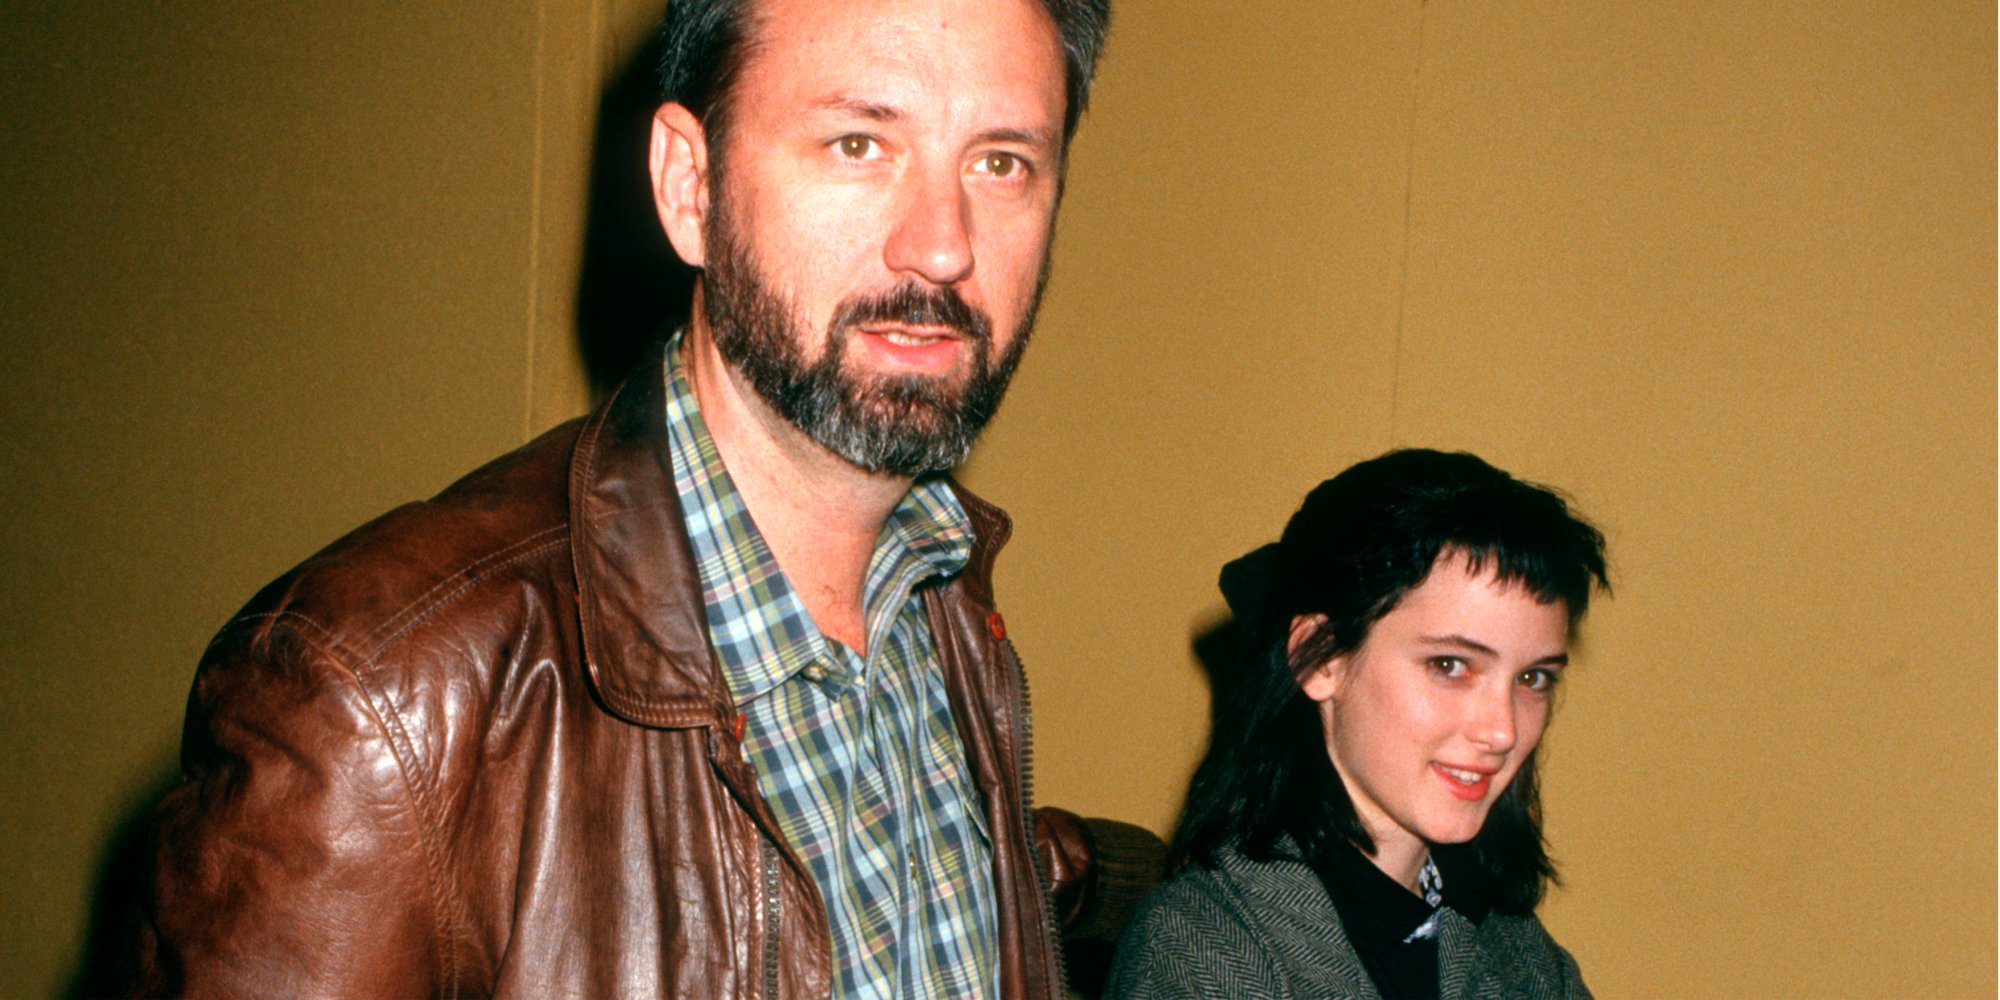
644,635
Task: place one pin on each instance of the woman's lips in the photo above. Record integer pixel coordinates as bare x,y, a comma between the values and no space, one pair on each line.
1468,783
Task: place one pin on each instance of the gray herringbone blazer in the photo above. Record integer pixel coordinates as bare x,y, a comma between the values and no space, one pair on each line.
1267,929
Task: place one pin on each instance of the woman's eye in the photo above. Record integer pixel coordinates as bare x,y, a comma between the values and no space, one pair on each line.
1449,666
855,147
1538,680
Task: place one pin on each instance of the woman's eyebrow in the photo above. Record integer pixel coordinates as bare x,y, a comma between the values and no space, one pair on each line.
1460,641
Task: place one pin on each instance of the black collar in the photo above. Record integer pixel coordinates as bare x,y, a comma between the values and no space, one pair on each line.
1378,913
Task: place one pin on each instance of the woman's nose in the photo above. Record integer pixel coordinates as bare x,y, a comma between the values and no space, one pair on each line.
1493,725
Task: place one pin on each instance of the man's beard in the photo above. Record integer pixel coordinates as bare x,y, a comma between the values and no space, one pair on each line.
906,425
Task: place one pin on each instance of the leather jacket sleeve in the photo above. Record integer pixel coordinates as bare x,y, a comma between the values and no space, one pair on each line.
1099,870
291,860
299,854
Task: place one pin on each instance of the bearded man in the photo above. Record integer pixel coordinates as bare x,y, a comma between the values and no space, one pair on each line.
705,694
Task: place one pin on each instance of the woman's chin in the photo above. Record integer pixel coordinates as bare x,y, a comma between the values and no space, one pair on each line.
1455,832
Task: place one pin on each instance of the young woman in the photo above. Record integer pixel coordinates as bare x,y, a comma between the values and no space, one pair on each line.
1366,821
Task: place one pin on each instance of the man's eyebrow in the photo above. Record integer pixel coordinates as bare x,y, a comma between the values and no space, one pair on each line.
1024,136
854,105
876,111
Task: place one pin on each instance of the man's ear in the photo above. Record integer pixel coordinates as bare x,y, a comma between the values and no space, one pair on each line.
1321,681
679,164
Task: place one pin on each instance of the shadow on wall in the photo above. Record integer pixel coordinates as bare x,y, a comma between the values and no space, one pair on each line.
1217,646
1089,955
103,967
633,289
1090,944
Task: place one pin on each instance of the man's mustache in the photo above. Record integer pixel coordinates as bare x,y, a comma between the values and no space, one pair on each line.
917,304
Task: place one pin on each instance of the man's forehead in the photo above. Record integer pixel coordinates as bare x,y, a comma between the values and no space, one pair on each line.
816,14
876,55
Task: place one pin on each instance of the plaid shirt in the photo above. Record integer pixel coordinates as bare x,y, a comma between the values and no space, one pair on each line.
858,757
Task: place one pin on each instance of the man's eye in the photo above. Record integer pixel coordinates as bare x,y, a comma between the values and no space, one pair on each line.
1001,164
855,147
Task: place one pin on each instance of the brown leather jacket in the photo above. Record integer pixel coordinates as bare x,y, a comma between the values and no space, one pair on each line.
480,746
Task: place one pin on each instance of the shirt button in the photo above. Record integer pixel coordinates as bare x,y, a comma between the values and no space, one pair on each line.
814,672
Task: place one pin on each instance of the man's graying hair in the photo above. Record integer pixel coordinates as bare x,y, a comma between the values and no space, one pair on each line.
704,44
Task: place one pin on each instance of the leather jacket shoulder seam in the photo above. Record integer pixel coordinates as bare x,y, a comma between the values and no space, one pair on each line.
445,913
415,779
460,582
410,615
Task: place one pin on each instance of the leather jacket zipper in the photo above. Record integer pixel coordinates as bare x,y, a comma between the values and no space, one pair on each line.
767,856
773,917
1024,748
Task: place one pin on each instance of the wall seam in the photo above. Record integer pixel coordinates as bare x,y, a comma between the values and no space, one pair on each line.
1409,200
536,168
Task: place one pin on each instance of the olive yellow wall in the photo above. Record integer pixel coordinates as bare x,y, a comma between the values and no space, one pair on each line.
1725,272
266,269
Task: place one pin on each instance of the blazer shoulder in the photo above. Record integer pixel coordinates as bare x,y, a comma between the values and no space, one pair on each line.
1518,954
1193,937
1194,897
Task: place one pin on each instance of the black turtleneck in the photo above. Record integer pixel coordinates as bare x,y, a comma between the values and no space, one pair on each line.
1382,918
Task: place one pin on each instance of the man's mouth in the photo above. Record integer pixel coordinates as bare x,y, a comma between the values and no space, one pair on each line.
916,310
917,349
906,336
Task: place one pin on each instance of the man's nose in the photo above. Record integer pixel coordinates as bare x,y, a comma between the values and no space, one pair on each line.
1494,728
932,235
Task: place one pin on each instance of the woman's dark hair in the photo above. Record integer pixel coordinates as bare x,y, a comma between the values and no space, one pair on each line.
1360,542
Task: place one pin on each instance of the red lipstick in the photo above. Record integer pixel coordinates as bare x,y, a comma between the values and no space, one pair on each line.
1455,783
